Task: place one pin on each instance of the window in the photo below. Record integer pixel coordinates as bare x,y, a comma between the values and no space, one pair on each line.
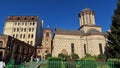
33,23
16,35
32,36
21,29
100,48
84,48
20,35
15,23
24,36
47,34
31,42
46,51
14,29
28,35
32,29
39,51
30,23
28,42
24,29
72,48
1,43
29,29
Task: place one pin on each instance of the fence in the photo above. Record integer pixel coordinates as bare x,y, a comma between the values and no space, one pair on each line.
69,64
17,66
78,64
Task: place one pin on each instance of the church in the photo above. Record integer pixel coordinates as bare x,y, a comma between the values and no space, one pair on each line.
88,39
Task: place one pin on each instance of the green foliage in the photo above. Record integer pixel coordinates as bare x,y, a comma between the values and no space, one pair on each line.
89,57
113,60
55,59
63,56
113,50
116,62
75,56
54,62
101,56
48,56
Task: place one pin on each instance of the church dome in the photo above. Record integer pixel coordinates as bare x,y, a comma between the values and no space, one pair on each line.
86,9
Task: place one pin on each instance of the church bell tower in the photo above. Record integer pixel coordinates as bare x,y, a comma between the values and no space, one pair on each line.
86,17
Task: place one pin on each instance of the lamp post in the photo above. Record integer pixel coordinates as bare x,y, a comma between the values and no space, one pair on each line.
12,48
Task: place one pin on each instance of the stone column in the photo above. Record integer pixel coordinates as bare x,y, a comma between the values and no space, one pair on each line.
85,19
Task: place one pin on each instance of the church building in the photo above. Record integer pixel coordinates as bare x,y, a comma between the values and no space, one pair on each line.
88,39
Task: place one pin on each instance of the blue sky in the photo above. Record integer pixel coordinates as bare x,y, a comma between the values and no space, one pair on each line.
58,13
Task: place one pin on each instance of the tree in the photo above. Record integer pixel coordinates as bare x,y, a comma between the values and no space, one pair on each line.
75,56
114,35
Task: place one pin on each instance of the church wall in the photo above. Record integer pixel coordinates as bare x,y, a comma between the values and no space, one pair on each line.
92,42
61,42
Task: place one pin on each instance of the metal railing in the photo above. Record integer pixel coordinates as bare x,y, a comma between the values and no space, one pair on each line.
68,64
79,64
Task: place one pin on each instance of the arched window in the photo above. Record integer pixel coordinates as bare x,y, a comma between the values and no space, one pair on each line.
85,48
47,34
31,35
100,48
1,43
38,51
72,48
46,51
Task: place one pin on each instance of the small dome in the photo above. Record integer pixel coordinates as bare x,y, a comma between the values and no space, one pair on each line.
86,9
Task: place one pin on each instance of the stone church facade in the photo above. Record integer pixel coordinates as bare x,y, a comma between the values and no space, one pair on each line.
88,39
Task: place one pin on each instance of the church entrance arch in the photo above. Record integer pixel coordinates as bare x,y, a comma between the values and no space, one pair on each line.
64,52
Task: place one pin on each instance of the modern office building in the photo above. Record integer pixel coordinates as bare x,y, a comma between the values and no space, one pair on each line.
24,28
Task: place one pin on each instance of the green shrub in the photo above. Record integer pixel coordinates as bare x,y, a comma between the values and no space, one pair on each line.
63,56
89,57
54,62
75,56
116,62
101,56
48,56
